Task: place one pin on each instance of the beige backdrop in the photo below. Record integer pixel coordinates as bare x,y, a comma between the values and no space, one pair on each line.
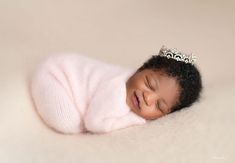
124,32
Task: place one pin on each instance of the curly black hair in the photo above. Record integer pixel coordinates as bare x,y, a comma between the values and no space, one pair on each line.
186,74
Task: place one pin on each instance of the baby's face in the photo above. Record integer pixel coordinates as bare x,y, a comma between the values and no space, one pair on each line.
151,94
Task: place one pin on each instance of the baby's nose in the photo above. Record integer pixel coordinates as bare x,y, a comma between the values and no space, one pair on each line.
149,98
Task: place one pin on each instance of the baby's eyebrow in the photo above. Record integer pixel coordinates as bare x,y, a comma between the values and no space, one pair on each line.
155,80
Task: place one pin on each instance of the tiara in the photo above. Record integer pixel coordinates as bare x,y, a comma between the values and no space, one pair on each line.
177,55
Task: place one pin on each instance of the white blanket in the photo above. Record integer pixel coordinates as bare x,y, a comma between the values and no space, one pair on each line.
74,93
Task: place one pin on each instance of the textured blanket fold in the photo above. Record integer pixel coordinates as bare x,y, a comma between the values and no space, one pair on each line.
74,93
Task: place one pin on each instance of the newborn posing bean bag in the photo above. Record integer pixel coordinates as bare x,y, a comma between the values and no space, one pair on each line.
74,93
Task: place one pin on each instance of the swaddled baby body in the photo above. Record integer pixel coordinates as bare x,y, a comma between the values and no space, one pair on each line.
74,93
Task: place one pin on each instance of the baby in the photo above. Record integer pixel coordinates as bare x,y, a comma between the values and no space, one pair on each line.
74,93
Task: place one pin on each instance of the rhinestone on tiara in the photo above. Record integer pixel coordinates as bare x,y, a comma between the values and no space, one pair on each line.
177,55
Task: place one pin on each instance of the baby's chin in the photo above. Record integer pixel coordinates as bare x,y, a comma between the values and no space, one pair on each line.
133,109
138,112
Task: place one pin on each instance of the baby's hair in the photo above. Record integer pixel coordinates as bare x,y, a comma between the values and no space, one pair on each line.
186,74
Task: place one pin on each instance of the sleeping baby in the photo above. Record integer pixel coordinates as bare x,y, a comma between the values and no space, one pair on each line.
74,93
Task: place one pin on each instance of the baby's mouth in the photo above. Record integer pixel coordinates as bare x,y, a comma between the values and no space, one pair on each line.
137,99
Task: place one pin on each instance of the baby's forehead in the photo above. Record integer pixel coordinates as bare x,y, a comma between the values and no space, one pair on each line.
161,76
155,72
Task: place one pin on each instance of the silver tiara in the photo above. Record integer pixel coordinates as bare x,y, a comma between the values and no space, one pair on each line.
177,55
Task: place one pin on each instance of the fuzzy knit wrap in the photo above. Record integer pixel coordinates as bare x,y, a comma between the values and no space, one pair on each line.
74,93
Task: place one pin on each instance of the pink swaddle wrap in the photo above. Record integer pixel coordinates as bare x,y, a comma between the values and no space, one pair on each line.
74,93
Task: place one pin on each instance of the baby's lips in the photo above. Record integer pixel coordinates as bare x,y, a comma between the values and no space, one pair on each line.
139,96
